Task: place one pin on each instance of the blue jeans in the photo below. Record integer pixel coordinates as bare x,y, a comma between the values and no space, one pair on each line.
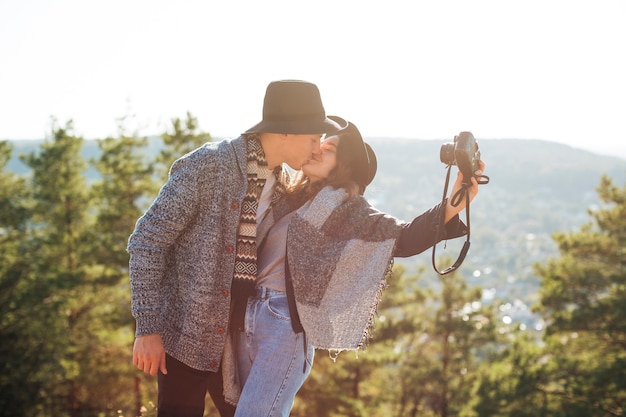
273,361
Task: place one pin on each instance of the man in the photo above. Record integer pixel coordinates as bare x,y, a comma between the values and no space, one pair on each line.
193,253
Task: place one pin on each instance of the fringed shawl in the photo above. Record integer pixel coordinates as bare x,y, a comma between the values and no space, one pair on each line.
339,251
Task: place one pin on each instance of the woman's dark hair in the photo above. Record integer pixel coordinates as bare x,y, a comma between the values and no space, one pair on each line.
342,176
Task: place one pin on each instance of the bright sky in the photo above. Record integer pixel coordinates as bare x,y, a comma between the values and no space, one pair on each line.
532,69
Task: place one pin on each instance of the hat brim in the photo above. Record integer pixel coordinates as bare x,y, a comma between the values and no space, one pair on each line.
361,155
296,127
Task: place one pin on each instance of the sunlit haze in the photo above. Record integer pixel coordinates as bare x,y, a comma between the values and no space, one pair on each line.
551,70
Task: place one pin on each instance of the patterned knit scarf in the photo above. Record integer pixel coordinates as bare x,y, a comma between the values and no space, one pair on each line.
246,256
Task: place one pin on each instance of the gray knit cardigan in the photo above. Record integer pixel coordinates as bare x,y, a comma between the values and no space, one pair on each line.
182,254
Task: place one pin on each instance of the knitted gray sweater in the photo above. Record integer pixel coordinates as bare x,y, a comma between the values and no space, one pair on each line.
182,254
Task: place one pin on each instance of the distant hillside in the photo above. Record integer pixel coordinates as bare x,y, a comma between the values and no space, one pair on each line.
90,150
537,188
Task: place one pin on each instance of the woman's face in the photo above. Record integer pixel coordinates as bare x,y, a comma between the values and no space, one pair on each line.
320,166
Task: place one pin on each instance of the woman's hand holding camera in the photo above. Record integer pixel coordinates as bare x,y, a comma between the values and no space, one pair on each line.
453,210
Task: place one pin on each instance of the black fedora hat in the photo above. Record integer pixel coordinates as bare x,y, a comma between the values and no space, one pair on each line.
355,153
293,107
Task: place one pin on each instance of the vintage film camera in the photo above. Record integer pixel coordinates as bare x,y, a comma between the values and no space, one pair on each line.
464,153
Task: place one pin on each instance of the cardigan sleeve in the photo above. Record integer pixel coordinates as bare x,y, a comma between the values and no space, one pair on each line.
154,235
420,234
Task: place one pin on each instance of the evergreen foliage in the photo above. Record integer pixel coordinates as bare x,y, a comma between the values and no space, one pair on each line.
583,298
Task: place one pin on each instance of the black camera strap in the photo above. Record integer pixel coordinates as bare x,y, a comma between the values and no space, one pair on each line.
455,200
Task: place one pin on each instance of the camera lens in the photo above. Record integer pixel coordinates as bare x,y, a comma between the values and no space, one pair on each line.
446,154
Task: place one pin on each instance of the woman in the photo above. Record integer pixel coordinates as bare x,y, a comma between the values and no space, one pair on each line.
323,257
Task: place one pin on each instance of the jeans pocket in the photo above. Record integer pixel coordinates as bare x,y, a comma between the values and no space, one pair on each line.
278,307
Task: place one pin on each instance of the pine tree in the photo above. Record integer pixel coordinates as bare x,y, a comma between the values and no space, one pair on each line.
183,138
125,188
60,216
441,361
23,296
583,299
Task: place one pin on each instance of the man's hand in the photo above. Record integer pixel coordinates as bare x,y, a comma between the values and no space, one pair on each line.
149,354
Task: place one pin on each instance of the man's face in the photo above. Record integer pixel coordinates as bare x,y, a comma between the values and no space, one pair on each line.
300,149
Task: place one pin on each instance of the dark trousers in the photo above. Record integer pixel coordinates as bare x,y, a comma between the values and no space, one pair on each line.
183,390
